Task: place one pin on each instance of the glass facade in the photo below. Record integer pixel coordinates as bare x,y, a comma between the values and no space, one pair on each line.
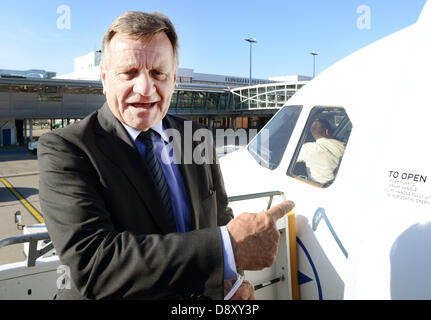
185,99
269,96
200,101
41,98
50,93
182,100
213,100
224,102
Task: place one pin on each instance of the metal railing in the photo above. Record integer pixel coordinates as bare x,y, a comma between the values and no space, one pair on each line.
270,194
32,239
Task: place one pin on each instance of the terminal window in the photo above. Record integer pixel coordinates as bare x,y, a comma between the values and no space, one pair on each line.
50,93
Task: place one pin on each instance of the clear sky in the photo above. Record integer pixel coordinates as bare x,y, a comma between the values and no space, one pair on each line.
211,33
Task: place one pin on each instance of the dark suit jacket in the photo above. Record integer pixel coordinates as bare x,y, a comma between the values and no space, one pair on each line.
107,223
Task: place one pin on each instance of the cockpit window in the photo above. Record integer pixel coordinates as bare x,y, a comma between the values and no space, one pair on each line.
321,147
269,145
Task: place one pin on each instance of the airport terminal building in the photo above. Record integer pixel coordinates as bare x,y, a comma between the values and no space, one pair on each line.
217,101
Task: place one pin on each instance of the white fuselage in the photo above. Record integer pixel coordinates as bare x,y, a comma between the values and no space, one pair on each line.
379,205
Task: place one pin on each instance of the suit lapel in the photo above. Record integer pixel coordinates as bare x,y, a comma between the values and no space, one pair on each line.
116,144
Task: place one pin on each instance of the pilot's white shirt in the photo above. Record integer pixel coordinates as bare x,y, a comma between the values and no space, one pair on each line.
322,158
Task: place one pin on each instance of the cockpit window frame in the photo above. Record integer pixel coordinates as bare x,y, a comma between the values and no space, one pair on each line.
256,154
318,109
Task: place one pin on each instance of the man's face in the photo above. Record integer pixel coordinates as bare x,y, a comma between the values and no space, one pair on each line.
139,78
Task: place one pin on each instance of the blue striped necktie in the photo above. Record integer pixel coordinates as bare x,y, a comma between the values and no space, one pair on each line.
157,172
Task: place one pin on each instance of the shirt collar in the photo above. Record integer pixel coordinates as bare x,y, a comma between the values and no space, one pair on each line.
158,127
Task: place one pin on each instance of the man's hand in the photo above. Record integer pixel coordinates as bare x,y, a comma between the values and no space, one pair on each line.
244,292
255,237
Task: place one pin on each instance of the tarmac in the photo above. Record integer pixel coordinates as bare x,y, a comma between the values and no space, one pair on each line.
19,191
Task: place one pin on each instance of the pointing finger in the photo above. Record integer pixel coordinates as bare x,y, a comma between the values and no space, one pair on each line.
279,210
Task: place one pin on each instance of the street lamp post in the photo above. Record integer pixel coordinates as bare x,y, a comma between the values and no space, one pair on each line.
251,41
314,54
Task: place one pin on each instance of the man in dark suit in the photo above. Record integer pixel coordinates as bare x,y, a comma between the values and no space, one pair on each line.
126,223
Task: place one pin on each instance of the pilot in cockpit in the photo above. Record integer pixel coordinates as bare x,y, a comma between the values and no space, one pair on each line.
321,157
